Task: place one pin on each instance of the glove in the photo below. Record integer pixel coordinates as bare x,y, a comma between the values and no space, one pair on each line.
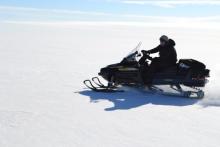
145,52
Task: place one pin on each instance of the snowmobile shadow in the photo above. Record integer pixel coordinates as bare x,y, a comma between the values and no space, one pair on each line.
133,99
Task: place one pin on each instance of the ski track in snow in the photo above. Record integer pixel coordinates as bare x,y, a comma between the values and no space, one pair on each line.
44,103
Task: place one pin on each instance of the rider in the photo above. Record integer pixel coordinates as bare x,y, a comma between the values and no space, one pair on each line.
167,57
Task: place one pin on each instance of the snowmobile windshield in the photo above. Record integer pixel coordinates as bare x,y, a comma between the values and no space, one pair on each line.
132,55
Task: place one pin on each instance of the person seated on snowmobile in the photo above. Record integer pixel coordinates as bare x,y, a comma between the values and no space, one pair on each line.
167,58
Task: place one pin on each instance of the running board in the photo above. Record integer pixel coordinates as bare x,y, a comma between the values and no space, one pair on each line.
199,94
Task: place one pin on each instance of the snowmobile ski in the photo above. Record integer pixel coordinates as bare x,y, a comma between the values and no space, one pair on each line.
88,84
97,81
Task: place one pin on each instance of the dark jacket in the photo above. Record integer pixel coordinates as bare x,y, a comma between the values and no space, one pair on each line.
167,53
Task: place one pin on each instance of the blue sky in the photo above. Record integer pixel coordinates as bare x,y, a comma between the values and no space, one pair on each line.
105,10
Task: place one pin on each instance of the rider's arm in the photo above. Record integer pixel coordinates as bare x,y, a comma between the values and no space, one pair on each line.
155,50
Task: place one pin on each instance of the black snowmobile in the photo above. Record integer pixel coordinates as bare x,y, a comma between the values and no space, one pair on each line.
187,72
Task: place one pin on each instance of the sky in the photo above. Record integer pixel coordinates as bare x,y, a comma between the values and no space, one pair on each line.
108,10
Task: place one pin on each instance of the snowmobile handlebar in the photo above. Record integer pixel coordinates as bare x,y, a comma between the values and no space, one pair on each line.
145,52
139,55
132,57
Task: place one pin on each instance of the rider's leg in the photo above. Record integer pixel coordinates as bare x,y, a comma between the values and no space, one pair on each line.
151,71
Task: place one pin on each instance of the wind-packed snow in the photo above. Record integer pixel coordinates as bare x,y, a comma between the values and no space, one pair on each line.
43,102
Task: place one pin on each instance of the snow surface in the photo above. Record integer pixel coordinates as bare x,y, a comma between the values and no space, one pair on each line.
43,102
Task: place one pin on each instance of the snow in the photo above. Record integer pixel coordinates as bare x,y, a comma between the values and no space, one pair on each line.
44,103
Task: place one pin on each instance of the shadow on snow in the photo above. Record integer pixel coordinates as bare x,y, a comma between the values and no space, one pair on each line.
133,99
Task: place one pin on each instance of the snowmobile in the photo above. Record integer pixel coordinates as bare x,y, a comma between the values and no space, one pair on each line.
187,73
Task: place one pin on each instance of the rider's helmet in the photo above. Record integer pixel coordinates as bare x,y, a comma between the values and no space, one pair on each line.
164,38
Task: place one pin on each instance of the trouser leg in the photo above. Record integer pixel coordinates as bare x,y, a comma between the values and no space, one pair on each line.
151,71
150,74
